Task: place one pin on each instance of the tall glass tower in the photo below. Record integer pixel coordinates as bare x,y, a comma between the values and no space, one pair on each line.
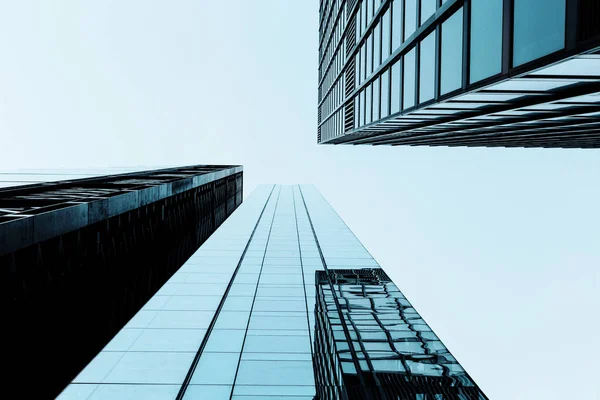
282,301
512,73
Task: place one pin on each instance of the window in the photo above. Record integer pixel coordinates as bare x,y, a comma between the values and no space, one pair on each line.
486,39
377,47
539,29
376,100
385,94
451,63
410,17
367,106
409,80
427,9
427,68
385,35
396,87
396,24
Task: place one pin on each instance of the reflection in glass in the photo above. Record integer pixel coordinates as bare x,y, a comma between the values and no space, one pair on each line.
427,9
409,80
376,101
452,42
385,35
541,35
486,39
396,24
396,86
367,109
385,93
410,17
376,46
427,68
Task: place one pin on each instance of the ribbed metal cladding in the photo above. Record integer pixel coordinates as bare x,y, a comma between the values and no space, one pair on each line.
589,19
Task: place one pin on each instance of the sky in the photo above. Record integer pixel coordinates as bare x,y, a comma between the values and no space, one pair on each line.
498,249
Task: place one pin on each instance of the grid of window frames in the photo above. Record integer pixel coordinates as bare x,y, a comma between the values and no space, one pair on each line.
405,56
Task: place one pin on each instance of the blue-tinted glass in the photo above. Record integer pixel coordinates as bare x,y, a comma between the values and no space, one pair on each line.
362,107
376,99
427,9
385,94
356,116
410,17
427,68
539,29
486,39
369,53
377,46
409,80
275,373
452,42
385,35
368,111
395,88
396,24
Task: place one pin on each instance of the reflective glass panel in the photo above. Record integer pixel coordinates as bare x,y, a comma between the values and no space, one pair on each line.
385,35
427,9
376,99
395,88
427,68
385,94
396,24
451,65
486,39
539,29
409,79
410,17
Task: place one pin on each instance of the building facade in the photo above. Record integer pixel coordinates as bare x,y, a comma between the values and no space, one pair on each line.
513,73
80,257
244,318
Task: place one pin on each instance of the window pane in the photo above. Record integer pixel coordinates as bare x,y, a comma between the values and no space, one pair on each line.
396,24
395,88
368,104
539,29
377,47
409,80
452,42
410,20
385,93
369,54
385,35
427,68
376,99
486,39
427,9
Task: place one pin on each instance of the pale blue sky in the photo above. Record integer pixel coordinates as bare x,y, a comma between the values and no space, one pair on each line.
498,249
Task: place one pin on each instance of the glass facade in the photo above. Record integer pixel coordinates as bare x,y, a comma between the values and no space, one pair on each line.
448,53
239,319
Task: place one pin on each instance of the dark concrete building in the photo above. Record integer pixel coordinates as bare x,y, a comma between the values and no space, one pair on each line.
79,258
513,73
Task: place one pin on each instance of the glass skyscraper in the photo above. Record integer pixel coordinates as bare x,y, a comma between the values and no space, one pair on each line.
282,301
513,73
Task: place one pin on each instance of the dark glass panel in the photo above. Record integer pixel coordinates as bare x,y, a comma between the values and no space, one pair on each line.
409,79
427,68
486,39
539,29
452,43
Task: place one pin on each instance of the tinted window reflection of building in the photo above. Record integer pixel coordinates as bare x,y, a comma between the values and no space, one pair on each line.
372,344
